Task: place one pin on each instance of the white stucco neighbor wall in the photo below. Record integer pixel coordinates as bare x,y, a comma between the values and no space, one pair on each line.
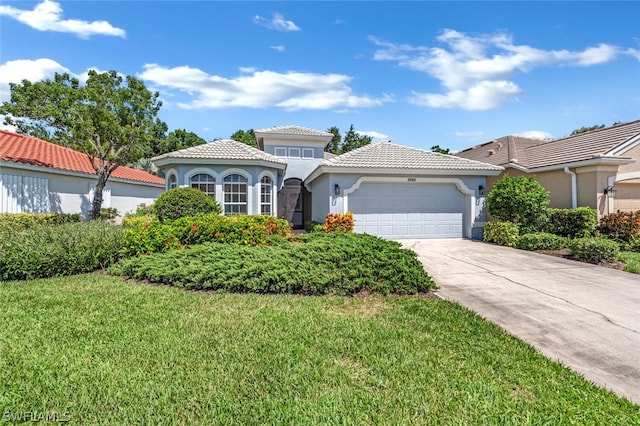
33,189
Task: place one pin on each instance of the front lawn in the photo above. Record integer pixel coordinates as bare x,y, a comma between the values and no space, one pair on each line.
631,260
106,351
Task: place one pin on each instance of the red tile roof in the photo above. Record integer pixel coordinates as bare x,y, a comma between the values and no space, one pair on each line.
19,148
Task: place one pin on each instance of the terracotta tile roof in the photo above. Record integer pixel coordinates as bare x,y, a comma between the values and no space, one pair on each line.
387,155
29,150
293,130
534,154
225,149
507,149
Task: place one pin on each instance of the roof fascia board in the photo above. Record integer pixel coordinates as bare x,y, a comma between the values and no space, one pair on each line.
582,163
53,170
405,172
625,146
218,161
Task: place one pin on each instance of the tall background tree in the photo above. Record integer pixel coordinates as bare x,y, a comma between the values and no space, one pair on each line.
174,141
350,141
110,119
436,148
247,137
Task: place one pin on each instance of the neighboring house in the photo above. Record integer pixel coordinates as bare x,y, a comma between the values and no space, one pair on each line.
598,169
393,191
37,176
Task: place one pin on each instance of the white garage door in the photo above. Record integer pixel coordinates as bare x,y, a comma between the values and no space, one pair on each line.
408,210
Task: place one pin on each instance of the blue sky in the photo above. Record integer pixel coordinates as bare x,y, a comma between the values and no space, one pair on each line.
453,74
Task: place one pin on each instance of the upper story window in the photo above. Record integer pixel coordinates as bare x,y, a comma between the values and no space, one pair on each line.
280,151
235,194
294,152
172,181
307,152
205,183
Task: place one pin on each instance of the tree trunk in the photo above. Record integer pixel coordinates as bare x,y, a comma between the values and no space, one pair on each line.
96,205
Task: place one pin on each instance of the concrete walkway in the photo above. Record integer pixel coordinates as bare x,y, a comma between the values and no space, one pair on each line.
587,317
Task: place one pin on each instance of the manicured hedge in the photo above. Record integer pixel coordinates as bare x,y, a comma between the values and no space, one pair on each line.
318,263
541,241
12,221
573,223
145,235
183,202
46,251
594,250
503,233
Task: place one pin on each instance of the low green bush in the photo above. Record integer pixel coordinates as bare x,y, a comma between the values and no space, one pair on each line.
620,225
541,241
503,233
108,213
151,236
12,221
313,226
142,210
183,202
137,221
594,249
318,263
573,223
46,251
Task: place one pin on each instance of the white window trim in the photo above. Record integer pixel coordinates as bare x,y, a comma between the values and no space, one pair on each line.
250,192
307,150
281,149
173,172
274,192
291,149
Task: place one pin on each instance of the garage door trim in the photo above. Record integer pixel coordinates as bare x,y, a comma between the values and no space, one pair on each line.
469,194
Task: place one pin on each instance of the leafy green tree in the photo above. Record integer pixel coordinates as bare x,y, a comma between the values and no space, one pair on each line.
520,200
351,140
436,148
110,119
174,141
586,129
246,137
334,144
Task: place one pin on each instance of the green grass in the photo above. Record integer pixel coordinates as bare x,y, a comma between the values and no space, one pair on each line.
108,351
632,261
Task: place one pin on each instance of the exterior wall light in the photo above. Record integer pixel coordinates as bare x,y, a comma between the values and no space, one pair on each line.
336,189
481,190
610,191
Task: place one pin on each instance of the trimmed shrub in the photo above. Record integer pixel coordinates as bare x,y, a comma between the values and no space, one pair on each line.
594,249
620,225
573,223
541,241
336,222
183,202
137,221
43,251
318,263
142,210
313,226
520,200
108,213
151,236
13,221
503,233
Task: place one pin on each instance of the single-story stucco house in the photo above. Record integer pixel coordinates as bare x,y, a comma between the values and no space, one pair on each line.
598,169
37,176
393,191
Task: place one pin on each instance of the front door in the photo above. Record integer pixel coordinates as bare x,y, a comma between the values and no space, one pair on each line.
291,202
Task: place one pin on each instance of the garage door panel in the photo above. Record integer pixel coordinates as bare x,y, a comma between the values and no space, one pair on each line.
408,210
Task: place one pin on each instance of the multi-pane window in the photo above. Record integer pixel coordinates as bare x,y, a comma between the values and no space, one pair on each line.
205,183
235,194
173,181
265,195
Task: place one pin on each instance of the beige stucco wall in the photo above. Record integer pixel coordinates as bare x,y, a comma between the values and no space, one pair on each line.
557,182
627,197
633,167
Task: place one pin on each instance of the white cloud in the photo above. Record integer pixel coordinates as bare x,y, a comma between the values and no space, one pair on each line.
47,16
260,89
279,48
8,127
277,23
377,136
26,69
476,72
535,134
470,136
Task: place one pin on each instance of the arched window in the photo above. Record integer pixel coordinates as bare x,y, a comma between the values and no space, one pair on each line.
205,183
235,194
173,181
266,203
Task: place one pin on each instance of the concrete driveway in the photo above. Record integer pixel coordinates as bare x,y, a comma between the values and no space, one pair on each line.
587,317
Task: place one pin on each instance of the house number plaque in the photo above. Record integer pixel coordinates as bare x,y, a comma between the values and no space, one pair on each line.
411,179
